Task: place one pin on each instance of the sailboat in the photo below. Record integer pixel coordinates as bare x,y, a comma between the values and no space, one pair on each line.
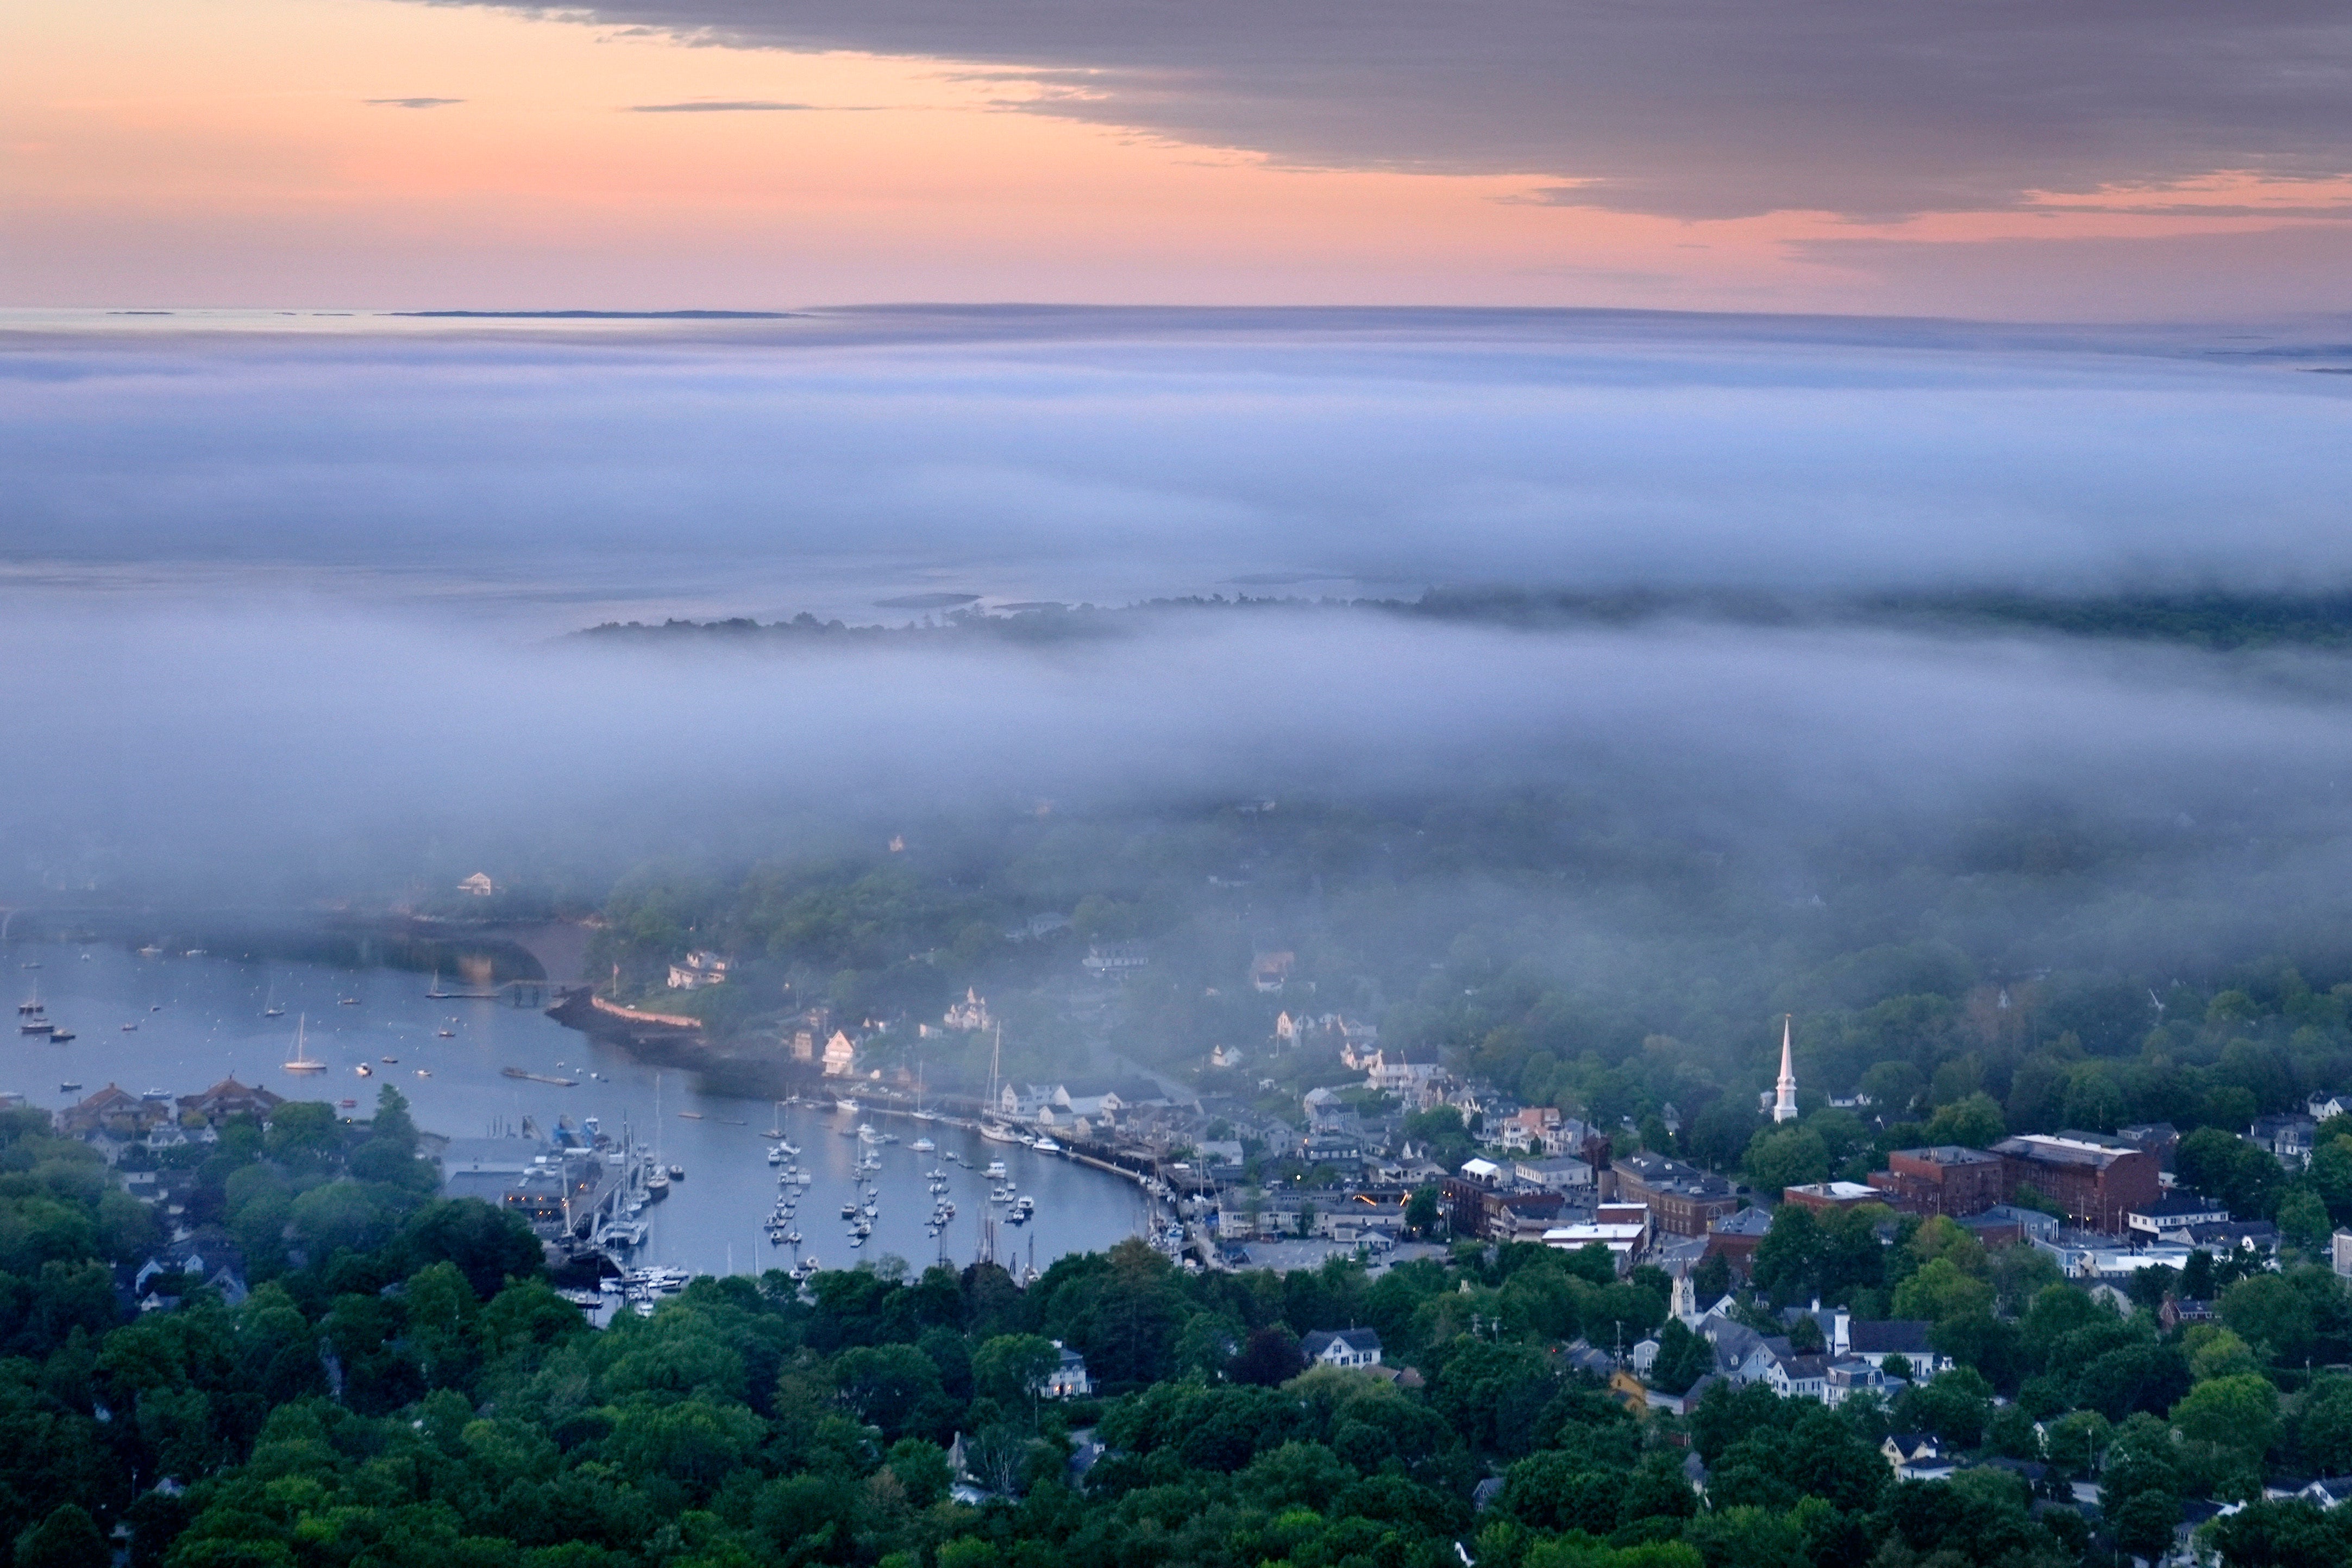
269,1007
995,1131
656,1179
302,1062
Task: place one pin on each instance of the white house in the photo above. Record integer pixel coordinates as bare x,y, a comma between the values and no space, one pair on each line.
1553,1173
972,1013
1115,957
478,885
699,969
1347,1347
840,1056
1069,1379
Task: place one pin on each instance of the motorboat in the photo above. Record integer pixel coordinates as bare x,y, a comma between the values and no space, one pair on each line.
789,1152
364,1071
69,1088
677,1173
925,1146
389,1061
995,1171
846,1106
446,1033
348,1001
849,1211
775,1156
129,1028
60,1035
1046,1146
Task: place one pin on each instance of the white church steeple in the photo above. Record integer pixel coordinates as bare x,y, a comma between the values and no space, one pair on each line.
1784,1092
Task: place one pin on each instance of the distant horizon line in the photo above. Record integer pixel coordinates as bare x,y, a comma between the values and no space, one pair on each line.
2309,319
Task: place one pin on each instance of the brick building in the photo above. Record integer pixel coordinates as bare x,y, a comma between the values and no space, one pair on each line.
2097,1181
1824,1198
1945,1180
1682,1199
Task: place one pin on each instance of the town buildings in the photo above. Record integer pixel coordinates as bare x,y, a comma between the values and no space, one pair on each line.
1942,1180
1824,1197
2096,1181
1682,1199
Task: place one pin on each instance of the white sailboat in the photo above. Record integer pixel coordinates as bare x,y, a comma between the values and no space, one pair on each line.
302,1062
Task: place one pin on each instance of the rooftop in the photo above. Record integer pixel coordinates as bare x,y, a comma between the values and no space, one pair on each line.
2067,1149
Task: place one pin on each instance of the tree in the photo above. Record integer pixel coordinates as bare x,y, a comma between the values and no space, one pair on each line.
884,1386
2238,1412
1788,1260
1442,1131
1954,1407
1712,1281
1893,1087
1974,1122
2270,1314
65,1537
1787,1157
1683,1358
1421,1213
304,1134
1940,1290
1012,1368
1269,1358
2144,1522
2303,1220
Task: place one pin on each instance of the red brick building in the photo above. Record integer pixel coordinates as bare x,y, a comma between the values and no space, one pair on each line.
1946,1179
2096,1181
1826,1197
1682,1199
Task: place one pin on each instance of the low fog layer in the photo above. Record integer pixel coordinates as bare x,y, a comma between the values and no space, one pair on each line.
284,613
825,463
264,749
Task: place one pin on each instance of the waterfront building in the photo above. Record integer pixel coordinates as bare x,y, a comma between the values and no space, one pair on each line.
699,969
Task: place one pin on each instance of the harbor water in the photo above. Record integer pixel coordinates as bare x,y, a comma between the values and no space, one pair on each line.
201,1018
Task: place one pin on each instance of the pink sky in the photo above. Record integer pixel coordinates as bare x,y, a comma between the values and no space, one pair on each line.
167,153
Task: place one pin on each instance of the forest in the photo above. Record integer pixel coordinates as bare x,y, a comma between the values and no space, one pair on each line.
402,1385
410,1390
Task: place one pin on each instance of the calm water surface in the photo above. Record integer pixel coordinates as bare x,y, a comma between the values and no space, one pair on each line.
200,1019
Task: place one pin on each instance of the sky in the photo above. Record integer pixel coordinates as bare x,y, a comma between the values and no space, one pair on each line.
2097,161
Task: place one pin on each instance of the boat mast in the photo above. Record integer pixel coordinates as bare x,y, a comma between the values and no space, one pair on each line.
995,1062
